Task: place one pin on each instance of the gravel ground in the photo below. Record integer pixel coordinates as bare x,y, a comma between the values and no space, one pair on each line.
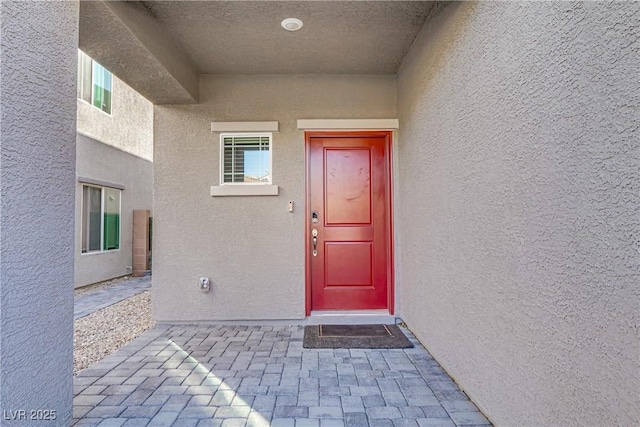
101,333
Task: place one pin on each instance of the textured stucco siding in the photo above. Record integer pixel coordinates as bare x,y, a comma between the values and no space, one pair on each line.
37,161
251,247
129,127
107,164
518,251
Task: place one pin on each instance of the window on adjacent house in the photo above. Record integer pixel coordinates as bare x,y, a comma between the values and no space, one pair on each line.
100,219
94,83
246,158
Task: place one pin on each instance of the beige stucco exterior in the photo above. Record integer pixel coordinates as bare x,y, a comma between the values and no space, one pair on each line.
513,174
115,149
518,197
516,201
38,59
128,128
251,247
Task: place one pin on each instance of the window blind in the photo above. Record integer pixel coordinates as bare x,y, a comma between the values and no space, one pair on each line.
246,159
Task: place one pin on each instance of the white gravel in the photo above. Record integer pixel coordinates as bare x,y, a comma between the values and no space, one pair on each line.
101,333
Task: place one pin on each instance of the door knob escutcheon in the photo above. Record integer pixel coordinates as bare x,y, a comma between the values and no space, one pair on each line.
314,240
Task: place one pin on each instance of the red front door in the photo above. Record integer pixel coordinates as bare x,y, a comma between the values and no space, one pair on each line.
348,228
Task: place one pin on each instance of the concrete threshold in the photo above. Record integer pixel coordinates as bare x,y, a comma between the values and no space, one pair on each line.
351,317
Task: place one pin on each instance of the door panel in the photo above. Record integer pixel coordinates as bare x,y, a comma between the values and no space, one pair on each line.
348,263
348,189
348,182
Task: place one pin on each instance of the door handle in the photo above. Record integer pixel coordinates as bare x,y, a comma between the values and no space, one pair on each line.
314,233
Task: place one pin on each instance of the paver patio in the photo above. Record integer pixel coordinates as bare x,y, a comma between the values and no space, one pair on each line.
261,376
84,305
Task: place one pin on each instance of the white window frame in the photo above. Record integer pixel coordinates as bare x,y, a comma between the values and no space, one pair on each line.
81,76
102,205
245,135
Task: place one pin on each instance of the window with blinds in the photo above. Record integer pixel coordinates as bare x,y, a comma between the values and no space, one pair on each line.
246,158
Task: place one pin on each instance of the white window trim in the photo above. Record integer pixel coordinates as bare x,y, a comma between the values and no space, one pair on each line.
271,126
102,194
98,183
350,124
244,188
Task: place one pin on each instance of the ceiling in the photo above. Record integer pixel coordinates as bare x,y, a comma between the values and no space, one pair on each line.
245,37
160,48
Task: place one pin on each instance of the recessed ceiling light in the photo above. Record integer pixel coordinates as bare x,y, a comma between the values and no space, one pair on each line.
291,24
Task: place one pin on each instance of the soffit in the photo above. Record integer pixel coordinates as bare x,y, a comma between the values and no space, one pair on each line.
338,37
129,42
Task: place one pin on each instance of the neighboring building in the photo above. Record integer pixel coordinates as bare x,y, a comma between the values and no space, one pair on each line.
114,171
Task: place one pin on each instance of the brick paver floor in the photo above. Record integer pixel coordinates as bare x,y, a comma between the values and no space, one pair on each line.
84,305
261,376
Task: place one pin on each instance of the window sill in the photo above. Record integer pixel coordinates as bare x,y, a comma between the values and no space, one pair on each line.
94,107
99,252
244,190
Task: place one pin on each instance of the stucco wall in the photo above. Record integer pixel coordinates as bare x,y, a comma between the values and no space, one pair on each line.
111,165
518,234
37,161
129,127
251,247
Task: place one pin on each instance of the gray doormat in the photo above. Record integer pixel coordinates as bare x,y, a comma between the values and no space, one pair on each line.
354,336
